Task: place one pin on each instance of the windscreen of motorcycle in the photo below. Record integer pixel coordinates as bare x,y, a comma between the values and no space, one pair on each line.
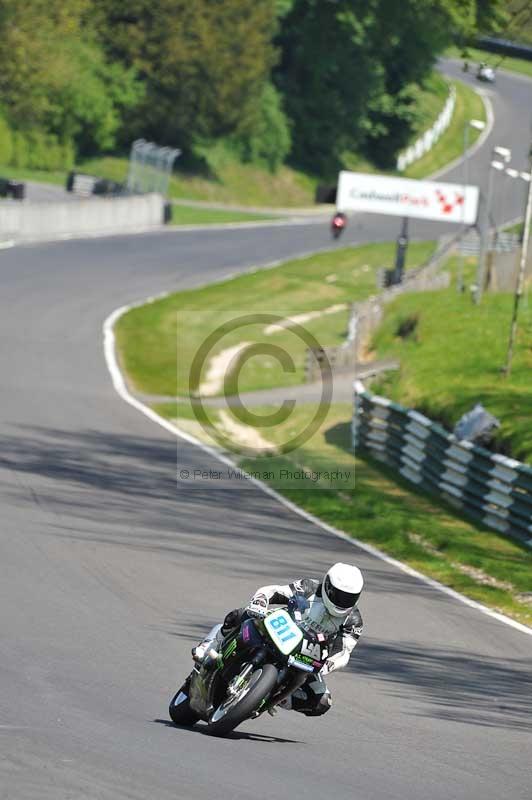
283,631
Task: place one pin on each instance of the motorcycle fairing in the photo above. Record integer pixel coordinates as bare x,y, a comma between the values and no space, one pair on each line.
283,631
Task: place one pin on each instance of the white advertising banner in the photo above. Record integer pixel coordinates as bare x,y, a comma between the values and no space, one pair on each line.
403,197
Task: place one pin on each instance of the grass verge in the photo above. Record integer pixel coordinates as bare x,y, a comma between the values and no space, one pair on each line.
453,358
232,181
469,105
37,175
430,100
155,337
190,215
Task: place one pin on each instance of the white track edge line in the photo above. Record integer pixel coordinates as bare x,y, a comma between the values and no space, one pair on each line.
120,387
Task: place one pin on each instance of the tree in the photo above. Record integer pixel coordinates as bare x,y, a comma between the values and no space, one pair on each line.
204,63
408,38
268,141
327,74
54,77
349,67
495,16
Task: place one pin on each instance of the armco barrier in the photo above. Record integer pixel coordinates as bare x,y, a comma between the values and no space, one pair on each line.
45,221
493,489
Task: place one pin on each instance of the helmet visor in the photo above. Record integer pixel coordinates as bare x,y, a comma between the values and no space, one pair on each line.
339,598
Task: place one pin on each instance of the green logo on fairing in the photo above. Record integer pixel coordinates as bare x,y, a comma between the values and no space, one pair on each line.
230,648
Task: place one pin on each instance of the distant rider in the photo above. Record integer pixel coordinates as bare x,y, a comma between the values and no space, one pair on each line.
331,610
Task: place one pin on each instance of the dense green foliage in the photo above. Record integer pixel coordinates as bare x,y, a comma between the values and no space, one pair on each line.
360,62
204,63
325,79
56,87
269,140
519,26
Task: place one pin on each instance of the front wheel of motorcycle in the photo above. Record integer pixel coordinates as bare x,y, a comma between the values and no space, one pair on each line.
240,705
179,708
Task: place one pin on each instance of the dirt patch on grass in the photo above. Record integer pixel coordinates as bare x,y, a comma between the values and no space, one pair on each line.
245,435
218,368
299,319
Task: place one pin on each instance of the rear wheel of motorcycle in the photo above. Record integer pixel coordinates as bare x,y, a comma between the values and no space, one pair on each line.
179,708
229,715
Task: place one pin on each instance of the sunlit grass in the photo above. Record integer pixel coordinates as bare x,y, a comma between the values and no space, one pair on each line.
158,341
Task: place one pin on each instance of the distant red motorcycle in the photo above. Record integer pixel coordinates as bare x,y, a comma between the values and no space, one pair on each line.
338,223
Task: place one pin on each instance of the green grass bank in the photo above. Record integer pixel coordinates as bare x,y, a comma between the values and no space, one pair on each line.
453,356
153,338
469,105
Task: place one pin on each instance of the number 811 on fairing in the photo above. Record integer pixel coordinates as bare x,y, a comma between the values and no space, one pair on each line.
283,630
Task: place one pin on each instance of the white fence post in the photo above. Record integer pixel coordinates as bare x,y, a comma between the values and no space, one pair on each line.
428,139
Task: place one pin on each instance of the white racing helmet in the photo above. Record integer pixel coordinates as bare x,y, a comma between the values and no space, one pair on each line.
341,589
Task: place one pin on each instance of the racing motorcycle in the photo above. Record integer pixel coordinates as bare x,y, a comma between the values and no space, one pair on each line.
338,223
259,666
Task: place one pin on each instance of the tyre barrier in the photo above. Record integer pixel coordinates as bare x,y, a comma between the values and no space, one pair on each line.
86,185
491,488
13,189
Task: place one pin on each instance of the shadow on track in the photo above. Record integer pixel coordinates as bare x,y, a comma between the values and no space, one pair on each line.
459,686
123,490
251,737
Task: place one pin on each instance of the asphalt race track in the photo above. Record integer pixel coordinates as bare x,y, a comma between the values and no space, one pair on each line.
109,573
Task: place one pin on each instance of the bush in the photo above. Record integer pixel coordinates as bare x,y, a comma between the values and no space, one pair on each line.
35,149
21,151
269,140
6,142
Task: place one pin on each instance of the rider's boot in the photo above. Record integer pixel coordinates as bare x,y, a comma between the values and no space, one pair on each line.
286,704
206,652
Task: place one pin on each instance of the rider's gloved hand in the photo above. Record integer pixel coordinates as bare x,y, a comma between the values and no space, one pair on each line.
327,667
258,606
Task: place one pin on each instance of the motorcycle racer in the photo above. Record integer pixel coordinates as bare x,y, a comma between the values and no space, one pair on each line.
330,609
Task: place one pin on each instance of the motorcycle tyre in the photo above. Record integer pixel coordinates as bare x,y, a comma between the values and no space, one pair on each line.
182,714
249,703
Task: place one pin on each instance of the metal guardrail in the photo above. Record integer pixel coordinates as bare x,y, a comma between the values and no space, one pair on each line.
491,488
